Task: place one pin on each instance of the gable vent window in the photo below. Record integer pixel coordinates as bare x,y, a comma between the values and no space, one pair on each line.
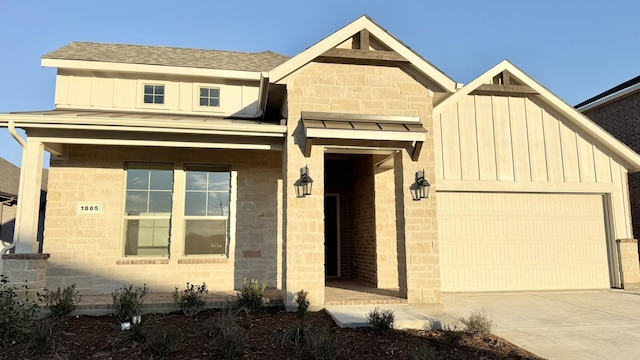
210,97
154,94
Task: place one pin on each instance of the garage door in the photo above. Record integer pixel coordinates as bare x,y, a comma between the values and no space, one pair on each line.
504,242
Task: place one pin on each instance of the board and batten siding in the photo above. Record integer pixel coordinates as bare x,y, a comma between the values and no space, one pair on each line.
124,93
517,144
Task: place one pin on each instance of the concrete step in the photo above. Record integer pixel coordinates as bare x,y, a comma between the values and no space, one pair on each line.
406,316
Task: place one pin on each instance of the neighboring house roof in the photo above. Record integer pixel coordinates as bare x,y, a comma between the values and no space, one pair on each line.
343,34
168,56
614,93
628,156
9,179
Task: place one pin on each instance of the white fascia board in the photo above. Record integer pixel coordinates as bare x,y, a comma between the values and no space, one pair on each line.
349,30
180,144
365,135
150,69
146,125
611,97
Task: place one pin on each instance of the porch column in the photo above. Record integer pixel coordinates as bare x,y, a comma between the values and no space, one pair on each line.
418,264
28,212
303,228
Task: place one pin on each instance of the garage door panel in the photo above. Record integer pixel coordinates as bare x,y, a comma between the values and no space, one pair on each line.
498,241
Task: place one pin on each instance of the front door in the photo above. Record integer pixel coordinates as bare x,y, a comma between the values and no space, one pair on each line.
331,238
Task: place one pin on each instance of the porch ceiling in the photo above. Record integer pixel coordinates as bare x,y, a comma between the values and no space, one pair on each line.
377,129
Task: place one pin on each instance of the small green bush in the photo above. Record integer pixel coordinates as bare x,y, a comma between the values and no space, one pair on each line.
381,320
478,323
127,301
191,299
303,302
18,315
60,302
252,295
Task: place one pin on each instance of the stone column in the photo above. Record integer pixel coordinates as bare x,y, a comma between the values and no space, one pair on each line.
26,229
29,268
629,266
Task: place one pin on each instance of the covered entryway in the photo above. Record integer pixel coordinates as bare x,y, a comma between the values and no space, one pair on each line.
522,241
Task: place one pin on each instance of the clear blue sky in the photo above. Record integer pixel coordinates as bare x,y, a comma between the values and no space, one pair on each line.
576,49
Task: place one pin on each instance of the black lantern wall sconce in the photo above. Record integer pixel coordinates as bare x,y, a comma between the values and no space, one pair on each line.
420,189
304,183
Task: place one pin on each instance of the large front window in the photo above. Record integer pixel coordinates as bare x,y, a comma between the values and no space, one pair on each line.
206,210
148,210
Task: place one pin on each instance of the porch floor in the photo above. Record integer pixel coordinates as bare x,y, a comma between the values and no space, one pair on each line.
345,291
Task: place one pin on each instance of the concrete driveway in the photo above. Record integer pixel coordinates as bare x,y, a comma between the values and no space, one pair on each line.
560,325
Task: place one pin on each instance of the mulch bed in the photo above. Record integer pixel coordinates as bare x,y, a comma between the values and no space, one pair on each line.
100,337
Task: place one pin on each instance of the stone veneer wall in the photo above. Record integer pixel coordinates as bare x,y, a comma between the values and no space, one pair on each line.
26,268
386,231
628,253
88,249
358,89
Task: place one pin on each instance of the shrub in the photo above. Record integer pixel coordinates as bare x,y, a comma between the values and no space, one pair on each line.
191,299
324,346
252,295
303,302
297,334
228,337
60,302
164,342
381,320
478,323
451,334
17,316
127,302
41,335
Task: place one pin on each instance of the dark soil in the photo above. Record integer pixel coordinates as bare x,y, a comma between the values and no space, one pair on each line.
175,336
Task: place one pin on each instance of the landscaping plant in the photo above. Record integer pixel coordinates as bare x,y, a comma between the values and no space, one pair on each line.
252,295
60,302
228,336
127,302
381,320
478,323
191,299
303,302
18,315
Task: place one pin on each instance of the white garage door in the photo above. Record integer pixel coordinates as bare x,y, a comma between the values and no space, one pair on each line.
503,242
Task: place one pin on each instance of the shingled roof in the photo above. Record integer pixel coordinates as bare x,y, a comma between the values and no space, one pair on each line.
168,56
9,178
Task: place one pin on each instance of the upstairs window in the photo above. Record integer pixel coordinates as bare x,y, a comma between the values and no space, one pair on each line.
154,94
209,97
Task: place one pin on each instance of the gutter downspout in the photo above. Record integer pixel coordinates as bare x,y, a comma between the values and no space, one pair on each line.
23,143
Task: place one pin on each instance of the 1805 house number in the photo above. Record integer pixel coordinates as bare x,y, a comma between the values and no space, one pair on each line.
93,208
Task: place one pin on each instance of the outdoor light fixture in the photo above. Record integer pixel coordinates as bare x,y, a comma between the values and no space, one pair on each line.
304,184
420,189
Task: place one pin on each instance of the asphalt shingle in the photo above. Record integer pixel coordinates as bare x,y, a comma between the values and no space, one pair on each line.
168,56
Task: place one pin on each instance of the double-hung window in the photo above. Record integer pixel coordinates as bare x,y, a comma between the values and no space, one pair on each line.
148,209
206,210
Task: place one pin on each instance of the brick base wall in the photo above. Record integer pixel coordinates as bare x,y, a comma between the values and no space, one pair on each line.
628,253
29,268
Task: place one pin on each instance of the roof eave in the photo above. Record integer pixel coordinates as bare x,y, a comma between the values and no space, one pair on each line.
150,69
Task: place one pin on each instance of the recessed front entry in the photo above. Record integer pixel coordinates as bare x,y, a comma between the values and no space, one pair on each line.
331,235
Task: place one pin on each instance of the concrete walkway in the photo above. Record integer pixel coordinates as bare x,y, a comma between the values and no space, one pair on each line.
559,325
555,325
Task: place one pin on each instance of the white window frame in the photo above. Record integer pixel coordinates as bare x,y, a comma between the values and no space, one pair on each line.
140,97
168,216
231,217
196,98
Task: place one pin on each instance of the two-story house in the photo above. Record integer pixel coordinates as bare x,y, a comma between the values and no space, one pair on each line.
356,158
